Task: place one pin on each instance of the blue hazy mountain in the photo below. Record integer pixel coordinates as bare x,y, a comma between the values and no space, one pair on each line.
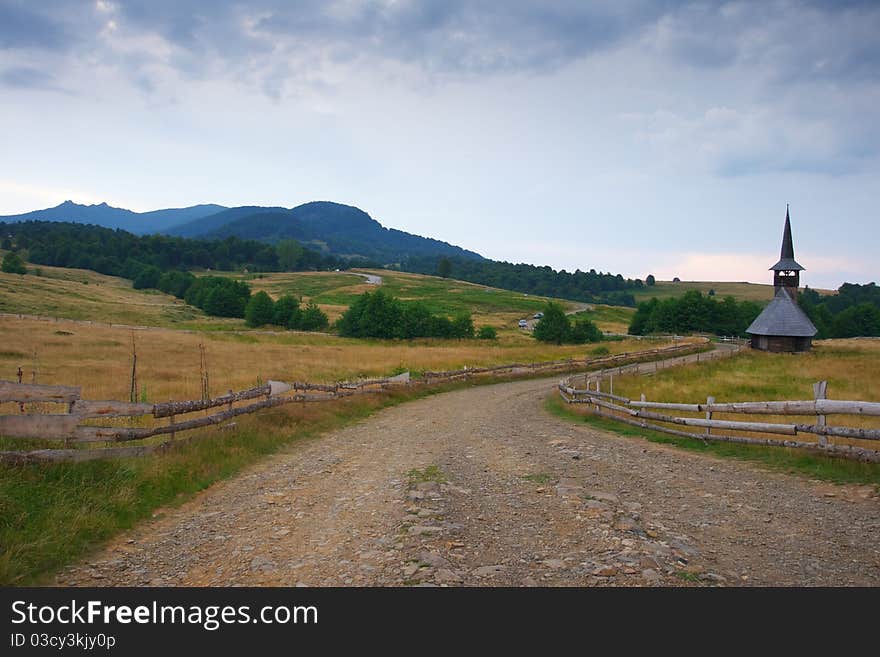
156,221
331,227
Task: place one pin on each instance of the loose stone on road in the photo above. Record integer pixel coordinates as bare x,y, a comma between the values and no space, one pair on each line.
481,487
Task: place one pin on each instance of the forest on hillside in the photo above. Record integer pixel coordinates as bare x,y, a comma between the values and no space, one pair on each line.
120,253
589,286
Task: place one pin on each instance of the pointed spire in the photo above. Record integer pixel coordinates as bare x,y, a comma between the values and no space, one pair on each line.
787,244
786,255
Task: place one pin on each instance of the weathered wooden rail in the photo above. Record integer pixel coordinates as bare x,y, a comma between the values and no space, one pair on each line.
73,423
570,363
645,414
72,428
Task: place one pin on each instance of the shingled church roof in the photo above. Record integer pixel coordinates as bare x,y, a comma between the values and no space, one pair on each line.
783,316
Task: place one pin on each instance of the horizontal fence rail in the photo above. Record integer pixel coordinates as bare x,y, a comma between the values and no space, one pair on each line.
645,414
75,429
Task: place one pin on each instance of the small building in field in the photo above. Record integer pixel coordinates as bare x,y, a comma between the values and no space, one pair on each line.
783,325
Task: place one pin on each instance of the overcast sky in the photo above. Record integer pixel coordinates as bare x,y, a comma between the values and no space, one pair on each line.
627,136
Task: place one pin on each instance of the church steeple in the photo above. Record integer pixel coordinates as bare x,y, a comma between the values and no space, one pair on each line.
786,272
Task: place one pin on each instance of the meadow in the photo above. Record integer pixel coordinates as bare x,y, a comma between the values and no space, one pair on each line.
85,295
756,292
88,296
849,366
335,291
98,357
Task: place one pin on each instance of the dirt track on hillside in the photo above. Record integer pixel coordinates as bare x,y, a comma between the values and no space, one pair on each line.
529,500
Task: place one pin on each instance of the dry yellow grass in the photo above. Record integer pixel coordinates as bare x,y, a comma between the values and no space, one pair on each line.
98,358
849,366
87,295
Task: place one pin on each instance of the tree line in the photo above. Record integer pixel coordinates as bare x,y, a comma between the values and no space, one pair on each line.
120,253
694,313
589,286
853,311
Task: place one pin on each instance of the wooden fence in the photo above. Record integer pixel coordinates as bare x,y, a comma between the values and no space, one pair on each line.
610,361
73,420
646,414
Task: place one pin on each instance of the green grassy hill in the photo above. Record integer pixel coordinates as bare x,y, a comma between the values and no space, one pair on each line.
756,292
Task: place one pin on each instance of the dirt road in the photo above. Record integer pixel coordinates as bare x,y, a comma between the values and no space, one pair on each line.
528,500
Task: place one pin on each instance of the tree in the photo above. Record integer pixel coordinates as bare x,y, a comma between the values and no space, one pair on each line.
444,267
553,326
863,319
462,326
260,310
13,264
289,252
380,315
650,280
487,333
585,331
148,277
313,319
287,312
6,244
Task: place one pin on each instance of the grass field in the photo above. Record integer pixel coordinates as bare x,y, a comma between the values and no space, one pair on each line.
741,291
98,358
86,295
335,291
849,366
611,319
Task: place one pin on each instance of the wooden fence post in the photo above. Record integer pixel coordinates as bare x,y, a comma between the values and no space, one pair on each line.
820,390
709,400
611,383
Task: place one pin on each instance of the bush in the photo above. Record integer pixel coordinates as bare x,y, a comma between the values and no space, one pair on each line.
583,331
176,283
462,327
13,264
380,315
219,296
147,277
313,319
555,326
260,310
487,333
287,312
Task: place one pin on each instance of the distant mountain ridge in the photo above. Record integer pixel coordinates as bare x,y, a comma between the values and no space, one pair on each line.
332,228
340,229
155,221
